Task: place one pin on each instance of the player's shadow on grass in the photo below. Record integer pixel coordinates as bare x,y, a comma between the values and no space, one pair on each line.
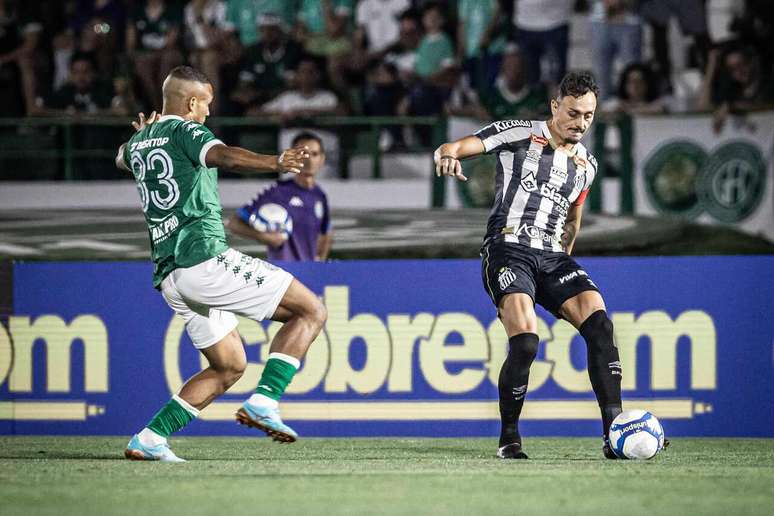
55,455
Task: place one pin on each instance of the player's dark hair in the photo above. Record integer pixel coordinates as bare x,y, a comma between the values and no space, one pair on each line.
186,73
577,84
306,136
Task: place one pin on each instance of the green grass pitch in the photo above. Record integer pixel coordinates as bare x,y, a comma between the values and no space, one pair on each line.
230,476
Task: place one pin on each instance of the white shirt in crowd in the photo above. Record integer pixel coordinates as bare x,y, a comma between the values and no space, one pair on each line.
379,18
293,101
213,15
538,15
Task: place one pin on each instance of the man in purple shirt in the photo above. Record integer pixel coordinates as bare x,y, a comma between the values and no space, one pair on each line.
307,206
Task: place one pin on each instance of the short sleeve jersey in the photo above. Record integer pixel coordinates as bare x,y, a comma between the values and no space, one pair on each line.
536,183
308,209
179,193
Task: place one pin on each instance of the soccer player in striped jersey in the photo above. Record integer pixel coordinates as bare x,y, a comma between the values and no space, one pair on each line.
543,176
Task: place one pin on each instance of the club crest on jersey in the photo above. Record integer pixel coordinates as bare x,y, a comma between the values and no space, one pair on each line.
538,139
529,182
506,277
580,180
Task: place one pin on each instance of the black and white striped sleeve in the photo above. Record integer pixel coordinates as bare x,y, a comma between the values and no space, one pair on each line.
499,135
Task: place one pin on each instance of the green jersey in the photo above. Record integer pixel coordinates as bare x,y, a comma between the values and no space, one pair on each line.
179,193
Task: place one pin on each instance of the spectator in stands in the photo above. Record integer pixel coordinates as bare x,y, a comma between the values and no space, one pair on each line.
18,40
152,43
324,30
242,14
638,92
307,205
403,54
513,94
734,84
692,16
382,95
479,51
377,26
84,93
434,65
100,26
210,39
307,100
616,32
266,67
542,30
754,26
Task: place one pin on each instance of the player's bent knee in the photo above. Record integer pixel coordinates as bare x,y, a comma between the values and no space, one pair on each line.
598,329
318,314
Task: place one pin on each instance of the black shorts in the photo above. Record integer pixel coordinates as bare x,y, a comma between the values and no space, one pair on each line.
549,278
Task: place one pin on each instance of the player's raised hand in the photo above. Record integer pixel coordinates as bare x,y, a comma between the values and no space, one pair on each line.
447,165
293,160
143,122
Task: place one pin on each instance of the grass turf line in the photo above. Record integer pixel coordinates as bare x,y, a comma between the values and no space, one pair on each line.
88,475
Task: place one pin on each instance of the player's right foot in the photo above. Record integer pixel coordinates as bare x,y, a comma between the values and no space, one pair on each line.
135,450
511,451
266,420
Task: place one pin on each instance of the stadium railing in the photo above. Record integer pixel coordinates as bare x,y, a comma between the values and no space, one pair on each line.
75,148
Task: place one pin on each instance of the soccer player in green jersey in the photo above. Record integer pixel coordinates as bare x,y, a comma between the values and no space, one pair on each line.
174,160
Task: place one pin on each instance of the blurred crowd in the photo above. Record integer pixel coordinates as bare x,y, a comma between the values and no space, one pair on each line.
294,59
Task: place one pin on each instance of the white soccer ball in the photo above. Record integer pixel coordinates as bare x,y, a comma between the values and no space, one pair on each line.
636,434
272,217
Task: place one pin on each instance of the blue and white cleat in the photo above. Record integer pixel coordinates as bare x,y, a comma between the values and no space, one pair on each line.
266,420
135,450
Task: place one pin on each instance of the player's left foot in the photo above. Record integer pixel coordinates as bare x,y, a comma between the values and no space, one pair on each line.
266,420
511,451
136,450
607,450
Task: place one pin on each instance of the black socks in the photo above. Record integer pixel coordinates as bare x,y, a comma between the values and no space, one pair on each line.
512,384
604,365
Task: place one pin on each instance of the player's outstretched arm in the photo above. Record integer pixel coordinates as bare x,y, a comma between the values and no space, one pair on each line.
248,162
447,157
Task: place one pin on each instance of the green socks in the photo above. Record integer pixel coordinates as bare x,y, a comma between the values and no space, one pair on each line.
277,375
172,417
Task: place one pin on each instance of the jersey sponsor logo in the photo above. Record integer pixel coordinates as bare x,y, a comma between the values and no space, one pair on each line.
552,192
575,274
164,230
510,124
529,182
505,278
535,233
197,132
558,173
538,139
533,156
296,201
150,142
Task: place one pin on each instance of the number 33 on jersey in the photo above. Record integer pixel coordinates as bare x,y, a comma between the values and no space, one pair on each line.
179,194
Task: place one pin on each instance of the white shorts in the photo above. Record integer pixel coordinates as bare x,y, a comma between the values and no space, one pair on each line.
208,295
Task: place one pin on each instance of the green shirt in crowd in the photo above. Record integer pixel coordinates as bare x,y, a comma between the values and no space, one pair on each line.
244,14
433,53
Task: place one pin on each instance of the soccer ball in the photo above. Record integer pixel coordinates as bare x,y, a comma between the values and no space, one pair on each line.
272,217
636,434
